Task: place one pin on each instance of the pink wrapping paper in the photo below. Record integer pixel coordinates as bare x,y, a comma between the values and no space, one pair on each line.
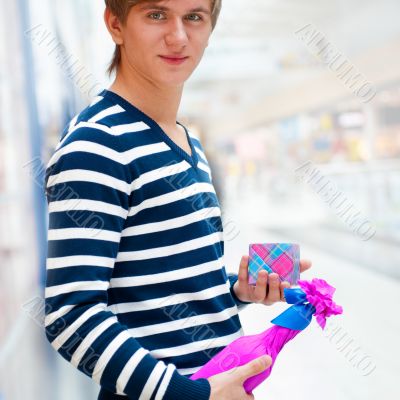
316,295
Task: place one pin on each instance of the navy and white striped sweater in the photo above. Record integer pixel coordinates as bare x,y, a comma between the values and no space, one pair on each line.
137,296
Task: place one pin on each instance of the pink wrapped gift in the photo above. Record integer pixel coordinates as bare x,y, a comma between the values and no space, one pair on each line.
312,298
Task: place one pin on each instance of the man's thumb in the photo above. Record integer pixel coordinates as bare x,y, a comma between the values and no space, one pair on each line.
255,367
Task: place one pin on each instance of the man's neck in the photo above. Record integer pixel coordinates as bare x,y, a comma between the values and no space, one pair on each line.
159,103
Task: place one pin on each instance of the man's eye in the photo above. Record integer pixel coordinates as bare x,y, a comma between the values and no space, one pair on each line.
156,15
194,17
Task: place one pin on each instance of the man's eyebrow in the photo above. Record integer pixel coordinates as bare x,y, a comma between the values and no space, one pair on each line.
147,6
200,9
154,4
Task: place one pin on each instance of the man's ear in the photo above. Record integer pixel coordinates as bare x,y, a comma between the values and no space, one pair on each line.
113,25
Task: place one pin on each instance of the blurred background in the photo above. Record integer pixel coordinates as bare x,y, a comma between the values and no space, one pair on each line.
297,104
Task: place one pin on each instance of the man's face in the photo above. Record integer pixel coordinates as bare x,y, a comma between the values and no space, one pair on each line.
156,31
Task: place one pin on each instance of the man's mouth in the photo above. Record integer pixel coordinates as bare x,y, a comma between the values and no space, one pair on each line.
173,59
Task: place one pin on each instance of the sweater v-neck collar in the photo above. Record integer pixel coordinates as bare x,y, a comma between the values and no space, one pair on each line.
191,159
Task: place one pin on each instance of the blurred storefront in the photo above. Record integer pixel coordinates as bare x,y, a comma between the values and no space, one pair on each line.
355,146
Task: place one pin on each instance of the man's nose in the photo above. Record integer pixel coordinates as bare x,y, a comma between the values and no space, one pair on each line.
176,34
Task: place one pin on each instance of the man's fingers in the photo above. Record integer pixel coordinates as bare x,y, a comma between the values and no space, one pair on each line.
260,290
243,270
253,367
305,265
284,285
274,293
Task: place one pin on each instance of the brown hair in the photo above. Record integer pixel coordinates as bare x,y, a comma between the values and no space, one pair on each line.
121,8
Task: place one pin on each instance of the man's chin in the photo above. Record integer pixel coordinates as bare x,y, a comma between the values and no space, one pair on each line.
173,81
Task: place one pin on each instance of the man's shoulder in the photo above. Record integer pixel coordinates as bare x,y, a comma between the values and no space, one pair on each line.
101,119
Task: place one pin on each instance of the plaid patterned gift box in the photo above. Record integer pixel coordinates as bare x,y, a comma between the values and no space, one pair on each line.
282,258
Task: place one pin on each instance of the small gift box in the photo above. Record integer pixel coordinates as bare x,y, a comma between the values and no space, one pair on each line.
282,258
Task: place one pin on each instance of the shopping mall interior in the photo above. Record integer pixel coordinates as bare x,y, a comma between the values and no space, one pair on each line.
297,104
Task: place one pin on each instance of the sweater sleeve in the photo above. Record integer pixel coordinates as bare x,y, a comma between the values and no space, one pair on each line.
87,189
240,304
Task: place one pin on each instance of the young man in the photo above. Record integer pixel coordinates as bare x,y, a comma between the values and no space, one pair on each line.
137,296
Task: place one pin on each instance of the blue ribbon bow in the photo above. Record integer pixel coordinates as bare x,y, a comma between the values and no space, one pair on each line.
298,316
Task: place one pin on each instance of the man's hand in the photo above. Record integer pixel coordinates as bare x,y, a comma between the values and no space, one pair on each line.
228,385
260,293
